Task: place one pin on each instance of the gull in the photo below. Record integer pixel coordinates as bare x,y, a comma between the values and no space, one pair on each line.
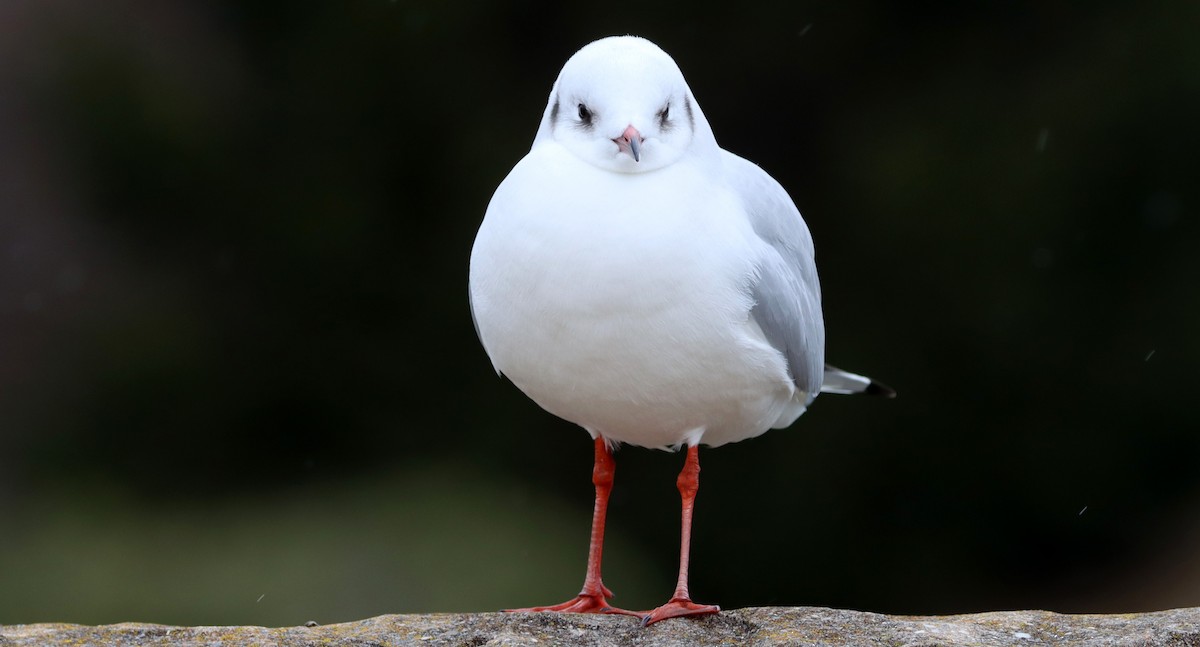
633,278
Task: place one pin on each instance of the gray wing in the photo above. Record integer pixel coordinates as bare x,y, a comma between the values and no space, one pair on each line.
787,294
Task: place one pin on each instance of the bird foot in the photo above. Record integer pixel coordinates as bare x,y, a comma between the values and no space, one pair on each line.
676,608
583,603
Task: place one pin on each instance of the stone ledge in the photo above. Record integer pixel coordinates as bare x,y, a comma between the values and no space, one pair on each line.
762,627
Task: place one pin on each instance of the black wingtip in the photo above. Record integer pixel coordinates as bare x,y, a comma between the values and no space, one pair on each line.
880,389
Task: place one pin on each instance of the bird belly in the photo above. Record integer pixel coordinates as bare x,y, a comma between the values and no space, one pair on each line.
632,322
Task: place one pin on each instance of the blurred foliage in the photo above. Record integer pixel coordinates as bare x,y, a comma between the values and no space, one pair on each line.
236,358
285,557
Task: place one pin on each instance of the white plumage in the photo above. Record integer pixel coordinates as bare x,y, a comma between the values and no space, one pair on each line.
635,279
667,301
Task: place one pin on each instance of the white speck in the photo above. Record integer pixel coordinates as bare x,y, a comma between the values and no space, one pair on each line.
1022,635
261,597
805,29
1148,356
426,637
1082,511
1043,138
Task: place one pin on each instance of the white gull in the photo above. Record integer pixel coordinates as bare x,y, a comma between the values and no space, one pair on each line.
632,277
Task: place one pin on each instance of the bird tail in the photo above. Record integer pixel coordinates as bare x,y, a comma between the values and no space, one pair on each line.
846,383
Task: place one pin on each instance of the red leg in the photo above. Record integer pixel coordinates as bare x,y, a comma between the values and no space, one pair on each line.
681,603
594,596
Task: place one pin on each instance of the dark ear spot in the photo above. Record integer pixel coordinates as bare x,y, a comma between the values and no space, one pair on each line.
687,107
554,113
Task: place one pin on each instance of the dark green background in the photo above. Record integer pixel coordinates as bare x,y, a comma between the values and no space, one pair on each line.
239,383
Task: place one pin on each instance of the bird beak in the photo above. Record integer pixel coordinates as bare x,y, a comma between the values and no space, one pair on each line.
630,142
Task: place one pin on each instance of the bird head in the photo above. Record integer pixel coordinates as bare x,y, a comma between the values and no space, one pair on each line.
621,104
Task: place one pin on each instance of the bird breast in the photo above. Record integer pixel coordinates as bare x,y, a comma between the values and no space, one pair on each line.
621,302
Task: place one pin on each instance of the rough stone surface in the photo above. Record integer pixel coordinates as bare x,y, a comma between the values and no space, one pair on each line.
755,627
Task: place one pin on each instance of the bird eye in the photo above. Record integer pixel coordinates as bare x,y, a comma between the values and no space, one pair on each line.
585,115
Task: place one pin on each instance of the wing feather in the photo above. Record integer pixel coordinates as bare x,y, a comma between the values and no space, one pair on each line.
787,292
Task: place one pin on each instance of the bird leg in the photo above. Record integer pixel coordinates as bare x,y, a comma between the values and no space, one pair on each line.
594,596
681,603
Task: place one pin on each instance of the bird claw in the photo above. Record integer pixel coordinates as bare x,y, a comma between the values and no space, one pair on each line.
582,603
677,608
